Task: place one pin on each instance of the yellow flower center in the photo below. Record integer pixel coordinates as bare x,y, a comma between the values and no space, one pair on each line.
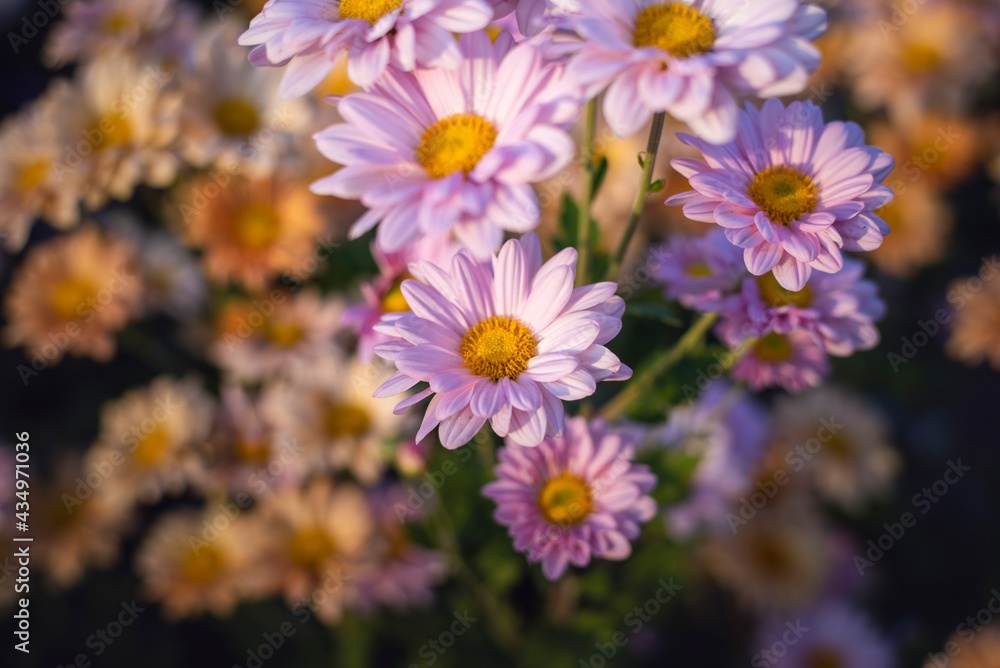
252,450
771,555
203,565
699,270
342,420
674,27
32,175
456,143
394,301
839,447
784,193
824,657
367,10
565,500
115,23
498,347
71,296
311,547
774,295
152,447
284,334
236,116
920,57
256,226
112,131
773,347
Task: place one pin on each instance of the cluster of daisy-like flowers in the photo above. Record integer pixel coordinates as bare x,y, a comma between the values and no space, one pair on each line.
446,128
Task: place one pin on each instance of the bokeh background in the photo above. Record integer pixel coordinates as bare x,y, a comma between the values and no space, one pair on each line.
910,73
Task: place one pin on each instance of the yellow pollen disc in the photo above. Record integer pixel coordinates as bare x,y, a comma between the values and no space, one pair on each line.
311,547
252,450
774,295
32,175
773,347
152,447
256,226
284,334
784,193
498,347
565,500
343,420
394,301
367,10
202,566
236,116
699,270
111,131
839,447
456,143
824,657
771,555
674,27
117,22
920,57
70,297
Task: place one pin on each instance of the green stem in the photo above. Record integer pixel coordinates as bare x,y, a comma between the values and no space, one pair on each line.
648,165
583,220
501,625
641,384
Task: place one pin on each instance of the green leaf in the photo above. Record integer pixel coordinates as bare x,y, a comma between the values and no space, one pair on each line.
566,235
657,186
600,174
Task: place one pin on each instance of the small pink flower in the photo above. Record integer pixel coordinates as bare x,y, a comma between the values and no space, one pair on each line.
383,296
699,272
507,343
839,309
310,36
790,190
454,150
573,497
795,361
692,58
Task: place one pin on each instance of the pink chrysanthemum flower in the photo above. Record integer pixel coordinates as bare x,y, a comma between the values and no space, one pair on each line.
506,344
311,35
839,309
698,272
573,497
795,361
440,150
383,295
837,636
790,191
533,16
693,58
